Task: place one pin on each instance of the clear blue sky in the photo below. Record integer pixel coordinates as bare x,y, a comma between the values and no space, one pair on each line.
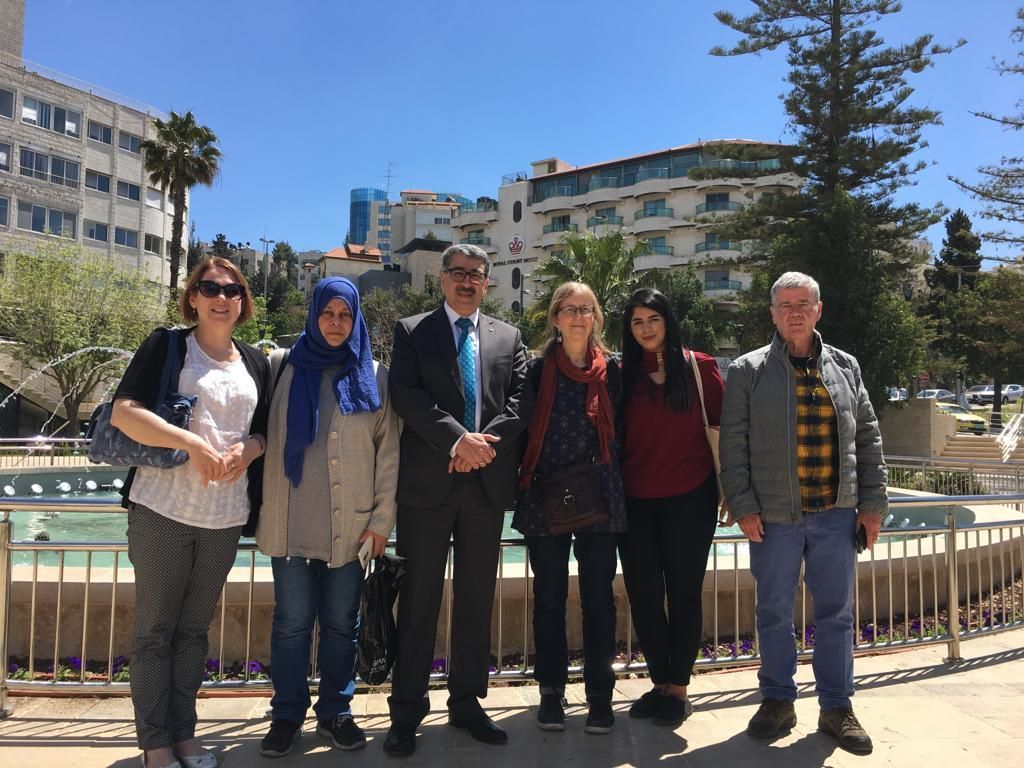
313,97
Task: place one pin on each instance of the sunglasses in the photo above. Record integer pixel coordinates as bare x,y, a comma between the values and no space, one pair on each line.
212,290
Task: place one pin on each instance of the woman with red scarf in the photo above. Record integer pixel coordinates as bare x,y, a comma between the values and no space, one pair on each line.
573,426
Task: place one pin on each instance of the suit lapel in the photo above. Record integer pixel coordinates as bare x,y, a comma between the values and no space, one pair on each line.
488,352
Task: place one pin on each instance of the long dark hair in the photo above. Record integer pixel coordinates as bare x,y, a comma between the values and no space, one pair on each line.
677,375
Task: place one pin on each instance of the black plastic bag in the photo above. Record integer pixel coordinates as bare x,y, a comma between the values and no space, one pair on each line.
378,636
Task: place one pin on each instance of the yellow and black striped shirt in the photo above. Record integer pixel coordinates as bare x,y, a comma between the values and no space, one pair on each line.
817,438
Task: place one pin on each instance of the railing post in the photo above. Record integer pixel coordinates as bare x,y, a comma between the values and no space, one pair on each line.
952,592
5,607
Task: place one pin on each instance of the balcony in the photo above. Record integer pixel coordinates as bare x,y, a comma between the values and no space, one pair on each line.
603,190
655,261
654,220
560,227
650,181
554,199
717,245
718,205
662,250
644,174
711,286
475,214
475,240
598,221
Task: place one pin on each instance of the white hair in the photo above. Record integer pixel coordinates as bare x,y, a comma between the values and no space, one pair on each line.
796,280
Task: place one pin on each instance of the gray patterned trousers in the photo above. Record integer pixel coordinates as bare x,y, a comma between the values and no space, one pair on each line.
179,573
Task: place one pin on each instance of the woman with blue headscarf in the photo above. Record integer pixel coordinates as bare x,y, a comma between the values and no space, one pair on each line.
328,487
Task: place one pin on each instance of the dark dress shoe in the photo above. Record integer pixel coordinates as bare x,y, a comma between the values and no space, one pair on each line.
401,740
480,727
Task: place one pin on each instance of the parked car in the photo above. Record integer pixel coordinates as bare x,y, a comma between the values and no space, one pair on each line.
965,420
973,394
1008,393
897,393
942,395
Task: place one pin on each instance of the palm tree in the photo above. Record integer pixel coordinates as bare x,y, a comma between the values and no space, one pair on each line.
605,263
182,155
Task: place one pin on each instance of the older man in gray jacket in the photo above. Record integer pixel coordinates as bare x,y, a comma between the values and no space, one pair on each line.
802,471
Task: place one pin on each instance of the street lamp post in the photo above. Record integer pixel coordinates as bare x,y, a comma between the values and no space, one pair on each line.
266,263
522,293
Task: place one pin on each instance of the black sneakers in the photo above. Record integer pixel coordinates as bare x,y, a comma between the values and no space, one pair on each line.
645,707
672,711
772,718
551,714
280,738
342,732
843,725
600,718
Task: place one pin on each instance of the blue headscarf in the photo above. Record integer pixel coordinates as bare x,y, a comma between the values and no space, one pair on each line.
355,386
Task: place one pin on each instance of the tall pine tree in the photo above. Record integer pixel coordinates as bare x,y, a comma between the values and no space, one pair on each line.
855,134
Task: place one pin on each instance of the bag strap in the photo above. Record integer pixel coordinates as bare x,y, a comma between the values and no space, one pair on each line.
700,385
172,365
281,367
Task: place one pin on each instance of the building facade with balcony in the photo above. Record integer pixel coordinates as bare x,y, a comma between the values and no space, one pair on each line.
670,198
71,166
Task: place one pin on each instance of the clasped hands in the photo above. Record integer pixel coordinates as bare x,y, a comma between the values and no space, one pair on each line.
474,451
227,467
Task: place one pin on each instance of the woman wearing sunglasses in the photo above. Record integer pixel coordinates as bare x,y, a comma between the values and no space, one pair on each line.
329,491
573,431
184,523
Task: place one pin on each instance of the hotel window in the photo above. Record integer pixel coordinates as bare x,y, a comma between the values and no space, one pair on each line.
98,181
94,230
130,142
5,208
126,237
51,117
154,197
716,201
653,207
5,157
100,132
6,103
128,190
38,218
153,244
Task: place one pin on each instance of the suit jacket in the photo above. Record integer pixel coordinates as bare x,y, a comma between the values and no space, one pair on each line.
426,392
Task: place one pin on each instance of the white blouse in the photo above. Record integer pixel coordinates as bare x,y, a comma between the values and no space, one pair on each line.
226,401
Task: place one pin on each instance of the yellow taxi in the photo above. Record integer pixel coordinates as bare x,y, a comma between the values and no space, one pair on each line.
965,420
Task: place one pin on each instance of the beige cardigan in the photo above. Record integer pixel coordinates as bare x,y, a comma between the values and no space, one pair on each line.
362,468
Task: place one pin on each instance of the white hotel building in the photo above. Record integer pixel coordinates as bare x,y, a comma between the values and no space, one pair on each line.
670,198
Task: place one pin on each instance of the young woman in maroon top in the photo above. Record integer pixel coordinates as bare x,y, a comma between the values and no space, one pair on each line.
671,497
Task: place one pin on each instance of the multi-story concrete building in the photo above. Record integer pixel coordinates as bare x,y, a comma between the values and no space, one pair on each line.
421,213
71,167
670,198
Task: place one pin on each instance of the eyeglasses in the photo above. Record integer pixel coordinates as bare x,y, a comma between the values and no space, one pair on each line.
570,311
460,275
212,290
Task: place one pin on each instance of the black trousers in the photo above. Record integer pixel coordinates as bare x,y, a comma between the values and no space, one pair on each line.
595,558
665,552
467,517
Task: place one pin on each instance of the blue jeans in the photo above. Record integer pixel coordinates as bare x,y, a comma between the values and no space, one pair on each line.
824,542
304,591
549,559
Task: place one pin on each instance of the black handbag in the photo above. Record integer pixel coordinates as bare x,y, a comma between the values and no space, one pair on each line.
109,445
377,645
572,498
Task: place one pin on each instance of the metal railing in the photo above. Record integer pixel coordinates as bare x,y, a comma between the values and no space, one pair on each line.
927,585
956,477
19,453
719,205
650,212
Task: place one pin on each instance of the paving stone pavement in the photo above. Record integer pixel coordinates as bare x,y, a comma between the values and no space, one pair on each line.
919,712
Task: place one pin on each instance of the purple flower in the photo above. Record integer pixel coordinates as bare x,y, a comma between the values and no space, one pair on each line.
440,666
255,667
12,668
75,663
213,666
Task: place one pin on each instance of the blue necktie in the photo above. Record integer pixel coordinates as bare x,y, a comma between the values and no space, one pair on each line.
467,367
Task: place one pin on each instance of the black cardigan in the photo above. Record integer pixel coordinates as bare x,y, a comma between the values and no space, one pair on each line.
141,382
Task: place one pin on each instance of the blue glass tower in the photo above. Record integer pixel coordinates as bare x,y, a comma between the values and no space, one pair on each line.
360,203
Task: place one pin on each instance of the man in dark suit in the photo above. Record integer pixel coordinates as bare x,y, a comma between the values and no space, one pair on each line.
458,381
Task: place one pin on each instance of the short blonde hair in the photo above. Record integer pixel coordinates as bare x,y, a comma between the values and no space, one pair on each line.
563,292
188,314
